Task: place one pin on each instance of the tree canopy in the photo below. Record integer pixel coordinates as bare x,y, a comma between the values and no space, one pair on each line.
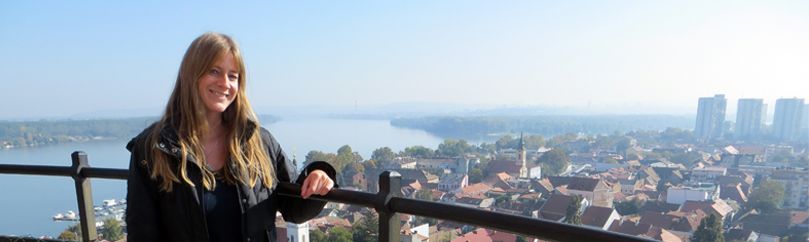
554,162
383,155
710,230
366,229
453,148
767,197
418,151
572,215
112,230
339,234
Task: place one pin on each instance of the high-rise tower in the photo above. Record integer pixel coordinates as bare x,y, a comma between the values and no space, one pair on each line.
786,124
710,117
750,117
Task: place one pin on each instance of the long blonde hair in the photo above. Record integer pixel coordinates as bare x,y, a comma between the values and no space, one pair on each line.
185,113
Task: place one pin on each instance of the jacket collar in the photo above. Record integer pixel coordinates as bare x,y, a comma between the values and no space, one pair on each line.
169,141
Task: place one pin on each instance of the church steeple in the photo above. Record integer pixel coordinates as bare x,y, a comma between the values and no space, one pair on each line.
523,168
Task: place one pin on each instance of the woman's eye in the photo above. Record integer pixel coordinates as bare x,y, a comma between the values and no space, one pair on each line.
214,71
233,77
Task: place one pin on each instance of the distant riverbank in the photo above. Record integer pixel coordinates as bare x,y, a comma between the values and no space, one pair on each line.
490,127
27,134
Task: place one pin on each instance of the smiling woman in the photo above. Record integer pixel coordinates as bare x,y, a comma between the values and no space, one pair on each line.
207,165
218,87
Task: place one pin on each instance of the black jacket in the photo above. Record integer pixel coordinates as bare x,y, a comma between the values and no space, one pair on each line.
154,215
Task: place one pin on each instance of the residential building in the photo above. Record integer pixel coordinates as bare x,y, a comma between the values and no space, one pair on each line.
453,182
419,233
599,217
787,121
796,187
642,229
750,117
710,117
717,207
486,235
594,190
707,174
700,192
555,208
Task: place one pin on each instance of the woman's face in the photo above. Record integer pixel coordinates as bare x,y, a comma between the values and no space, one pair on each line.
220,84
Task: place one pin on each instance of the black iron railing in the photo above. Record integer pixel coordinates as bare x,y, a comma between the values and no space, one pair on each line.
387,202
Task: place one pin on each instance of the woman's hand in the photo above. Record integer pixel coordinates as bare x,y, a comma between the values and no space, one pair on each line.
317,182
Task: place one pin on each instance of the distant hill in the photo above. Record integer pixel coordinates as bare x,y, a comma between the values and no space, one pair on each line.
546,125
15,134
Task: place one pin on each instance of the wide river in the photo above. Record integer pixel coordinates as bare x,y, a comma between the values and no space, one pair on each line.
28,202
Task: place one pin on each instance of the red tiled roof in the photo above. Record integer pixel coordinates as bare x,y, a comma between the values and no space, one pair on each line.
596,216
485,235
556,207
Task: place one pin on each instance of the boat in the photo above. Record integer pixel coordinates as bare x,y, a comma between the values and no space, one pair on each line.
69,216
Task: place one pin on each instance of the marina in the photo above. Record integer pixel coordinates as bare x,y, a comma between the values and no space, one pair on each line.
109,209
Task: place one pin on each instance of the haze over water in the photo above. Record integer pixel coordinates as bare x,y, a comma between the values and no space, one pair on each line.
29,202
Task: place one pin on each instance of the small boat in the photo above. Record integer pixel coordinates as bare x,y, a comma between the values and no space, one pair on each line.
69,216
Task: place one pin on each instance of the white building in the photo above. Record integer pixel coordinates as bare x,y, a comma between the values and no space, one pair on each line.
453,182
419,233
701,192
750,117
298,232
786,124
796,187
710,117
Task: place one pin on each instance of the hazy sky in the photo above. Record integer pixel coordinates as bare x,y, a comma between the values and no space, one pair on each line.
62,58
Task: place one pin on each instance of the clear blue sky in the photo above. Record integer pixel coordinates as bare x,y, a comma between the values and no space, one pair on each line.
62,58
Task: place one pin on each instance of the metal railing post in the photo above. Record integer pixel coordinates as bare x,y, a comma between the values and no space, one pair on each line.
84,196
390,185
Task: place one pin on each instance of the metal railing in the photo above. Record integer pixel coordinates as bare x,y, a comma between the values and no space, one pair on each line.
388,202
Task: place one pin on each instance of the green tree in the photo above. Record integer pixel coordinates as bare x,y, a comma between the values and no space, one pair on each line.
112,230
506,142
370,165
628,207
533,142
424,194
623,144
366,229
572,215
554,162
475,175
339,234
710,230
317,155
383,155
318,236
418,151
72,233
453,148
345,156
487,148
767,197
558,140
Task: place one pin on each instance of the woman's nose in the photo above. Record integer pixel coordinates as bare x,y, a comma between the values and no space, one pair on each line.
222,80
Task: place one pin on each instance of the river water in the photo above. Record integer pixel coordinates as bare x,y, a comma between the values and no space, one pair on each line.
28,202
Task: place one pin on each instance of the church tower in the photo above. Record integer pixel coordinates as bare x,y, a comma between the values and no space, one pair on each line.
298,232
523,168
